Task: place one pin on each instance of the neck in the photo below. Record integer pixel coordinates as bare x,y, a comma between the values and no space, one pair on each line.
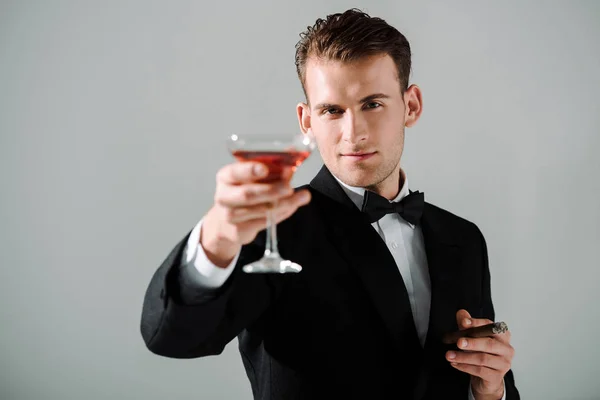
390,186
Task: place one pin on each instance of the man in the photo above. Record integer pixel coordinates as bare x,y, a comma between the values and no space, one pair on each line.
365,317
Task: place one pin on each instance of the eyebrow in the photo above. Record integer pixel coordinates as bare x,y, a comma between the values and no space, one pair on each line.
370,97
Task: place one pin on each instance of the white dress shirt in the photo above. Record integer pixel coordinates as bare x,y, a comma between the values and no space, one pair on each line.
403,239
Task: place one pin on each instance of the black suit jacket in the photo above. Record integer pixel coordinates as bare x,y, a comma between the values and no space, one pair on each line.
340,329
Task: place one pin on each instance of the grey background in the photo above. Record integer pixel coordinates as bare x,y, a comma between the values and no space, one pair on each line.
113,117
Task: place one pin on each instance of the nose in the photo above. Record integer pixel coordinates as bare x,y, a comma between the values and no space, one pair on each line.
354,128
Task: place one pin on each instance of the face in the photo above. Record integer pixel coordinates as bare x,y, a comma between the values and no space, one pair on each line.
357,114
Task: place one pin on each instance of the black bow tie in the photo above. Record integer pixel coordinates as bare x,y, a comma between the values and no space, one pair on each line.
410,207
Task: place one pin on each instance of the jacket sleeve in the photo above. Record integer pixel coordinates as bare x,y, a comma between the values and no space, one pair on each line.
488,312
180,321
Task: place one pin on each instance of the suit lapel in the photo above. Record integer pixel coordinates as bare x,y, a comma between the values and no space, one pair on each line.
444,257
367,254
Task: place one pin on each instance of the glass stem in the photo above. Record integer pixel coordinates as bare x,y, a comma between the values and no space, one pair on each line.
271,245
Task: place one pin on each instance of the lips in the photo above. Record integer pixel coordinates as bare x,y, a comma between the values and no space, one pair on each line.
358,156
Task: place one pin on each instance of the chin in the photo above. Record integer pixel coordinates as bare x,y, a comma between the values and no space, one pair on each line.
356,178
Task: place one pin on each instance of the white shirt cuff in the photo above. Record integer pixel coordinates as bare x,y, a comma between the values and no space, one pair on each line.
209,275
472,397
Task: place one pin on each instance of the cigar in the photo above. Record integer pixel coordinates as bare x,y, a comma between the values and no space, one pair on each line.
481,331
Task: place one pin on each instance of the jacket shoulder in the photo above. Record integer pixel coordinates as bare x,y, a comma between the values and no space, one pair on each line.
458,226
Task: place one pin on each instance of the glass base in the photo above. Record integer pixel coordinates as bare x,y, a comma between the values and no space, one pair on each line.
272,265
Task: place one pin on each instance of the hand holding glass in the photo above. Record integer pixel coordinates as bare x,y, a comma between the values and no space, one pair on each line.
277,153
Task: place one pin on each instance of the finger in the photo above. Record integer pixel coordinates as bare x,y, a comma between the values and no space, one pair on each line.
287,173
238,215
475,322
299,199
285,207
490,345
504,337
251,194
242,172
487,374
463,319
487,360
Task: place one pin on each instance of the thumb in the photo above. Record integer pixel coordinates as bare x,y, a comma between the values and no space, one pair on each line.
463,319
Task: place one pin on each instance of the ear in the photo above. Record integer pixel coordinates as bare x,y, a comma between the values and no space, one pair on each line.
303,111
413,105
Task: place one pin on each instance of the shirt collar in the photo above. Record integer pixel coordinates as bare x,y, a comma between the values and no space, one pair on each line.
357,194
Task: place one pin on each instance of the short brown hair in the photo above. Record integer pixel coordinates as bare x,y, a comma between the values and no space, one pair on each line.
350,36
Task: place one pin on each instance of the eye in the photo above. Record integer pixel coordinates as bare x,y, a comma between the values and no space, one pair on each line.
372,105
331,110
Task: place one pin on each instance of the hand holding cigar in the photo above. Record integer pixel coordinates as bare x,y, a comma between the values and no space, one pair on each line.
483,351
477,332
